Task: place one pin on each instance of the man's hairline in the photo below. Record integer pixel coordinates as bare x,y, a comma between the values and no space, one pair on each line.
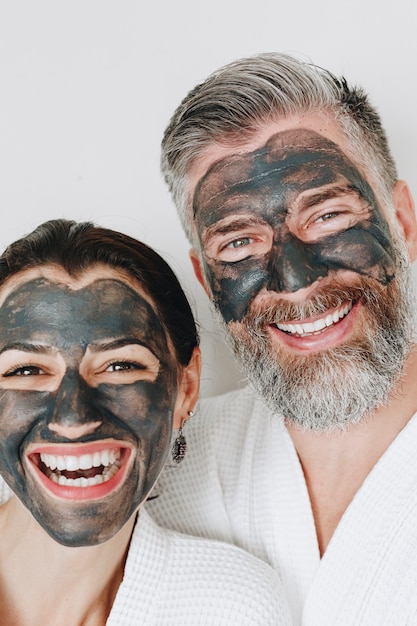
371,174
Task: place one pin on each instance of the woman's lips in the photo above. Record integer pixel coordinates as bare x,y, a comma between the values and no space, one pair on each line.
82,472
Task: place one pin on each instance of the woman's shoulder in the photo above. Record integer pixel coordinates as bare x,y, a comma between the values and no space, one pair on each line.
218,583
174,579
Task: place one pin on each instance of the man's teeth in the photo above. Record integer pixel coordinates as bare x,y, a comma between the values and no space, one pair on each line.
107,463
309,328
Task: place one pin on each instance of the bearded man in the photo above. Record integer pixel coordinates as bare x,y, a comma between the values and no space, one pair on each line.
302,236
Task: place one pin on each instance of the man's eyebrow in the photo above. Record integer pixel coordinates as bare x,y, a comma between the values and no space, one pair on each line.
24,346
113,344
305,202
224,227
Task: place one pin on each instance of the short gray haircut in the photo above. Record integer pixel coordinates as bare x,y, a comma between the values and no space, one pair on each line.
234,102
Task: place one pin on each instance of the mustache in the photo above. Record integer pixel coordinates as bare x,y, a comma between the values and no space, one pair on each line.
332,296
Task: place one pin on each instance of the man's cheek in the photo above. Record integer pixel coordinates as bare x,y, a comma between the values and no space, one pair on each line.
362,251
235,286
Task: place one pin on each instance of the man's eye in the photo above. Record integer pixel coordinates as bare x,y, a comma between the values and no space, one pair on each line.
239,243
25,370
327,216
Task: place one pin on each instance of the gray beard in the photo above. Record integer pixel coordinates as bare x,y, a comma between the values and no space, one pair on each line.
336,388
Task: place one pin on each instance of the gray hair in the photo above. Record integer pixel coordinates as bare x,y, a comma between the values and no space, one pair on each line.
233,103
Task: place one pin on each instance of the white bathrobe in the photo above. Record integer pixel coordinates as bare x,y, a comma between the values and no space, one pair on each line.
242,482
174,580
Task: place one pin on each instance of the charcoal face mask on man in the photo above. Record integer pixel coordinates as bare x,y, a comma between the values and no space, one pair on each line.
263,185
266,195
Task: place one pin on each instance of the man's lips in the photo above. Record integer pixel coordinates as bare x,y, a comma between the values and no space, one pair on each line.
317,325
320,333
85,471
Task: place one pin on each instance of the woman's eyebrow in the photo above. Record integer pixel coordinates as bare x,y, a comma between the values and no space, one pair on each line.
23,346
113,344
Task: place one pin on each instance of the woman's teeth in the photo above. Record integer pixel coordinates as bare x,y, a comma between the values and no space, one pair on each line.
310,328
85,470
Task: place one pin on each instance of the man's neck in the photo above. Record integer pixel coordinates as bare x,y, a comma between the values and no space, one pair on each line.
335,464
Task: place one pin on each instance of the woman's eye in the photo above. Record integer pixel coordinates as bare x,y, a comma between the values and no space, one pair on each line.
25,370
122,366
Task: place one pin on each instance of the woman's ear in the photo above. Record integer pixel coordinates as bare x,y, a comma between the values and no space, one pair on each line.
406,216
188,389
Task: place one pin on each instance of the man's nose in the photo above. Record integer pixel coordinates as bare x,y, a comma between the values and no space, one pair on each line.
74,414
294,265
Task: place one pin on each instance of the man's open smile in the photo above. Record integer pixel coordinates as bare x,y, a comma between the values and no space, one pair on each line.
323,332
317,326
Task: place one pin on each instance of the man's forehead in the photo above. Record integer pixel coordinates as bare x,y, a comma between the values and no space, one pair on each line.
290,157
322,123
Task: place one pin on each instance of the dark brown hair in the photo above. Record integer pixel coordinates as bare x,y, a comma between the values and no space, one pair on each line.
77,246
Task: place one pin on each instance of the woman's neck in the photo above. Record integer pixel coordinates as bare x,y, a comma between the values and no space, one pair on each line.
43,582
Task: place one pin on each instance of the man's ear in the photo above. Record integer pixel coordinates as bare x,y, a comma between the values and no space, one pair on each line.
195,260
406,215
188,389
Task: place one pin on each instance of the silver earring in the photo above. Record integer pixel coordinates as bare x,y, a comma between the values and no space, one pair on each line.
179,447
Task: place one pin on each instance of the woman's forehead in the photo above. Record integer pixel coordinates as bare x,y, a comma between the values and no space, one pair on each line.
57,274
104,309
139,313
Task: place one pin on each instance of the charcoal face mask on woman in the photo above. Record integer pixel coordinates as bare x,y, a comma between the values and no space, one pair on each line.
109,355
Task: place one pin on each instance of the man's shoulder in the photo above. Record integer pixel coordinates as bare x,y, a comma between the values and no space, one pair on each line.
231,416
239,404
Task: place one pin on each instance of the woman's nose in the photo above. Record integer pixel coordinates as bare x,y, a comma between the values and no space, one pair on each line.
74,414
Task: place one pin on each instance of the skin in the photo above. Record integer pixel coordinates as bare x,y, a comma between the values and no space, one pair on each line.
77,370
284,216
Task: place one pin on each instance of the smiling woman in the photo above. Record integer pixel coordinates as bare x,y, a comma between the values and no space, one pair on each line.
99,362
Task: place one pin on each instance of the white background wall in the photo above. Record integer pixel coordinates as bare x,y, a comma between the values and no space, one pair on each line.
87,87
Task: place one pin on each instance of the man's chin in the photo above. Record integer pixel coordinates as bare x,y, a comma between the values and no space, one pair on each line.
331,392
331,389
